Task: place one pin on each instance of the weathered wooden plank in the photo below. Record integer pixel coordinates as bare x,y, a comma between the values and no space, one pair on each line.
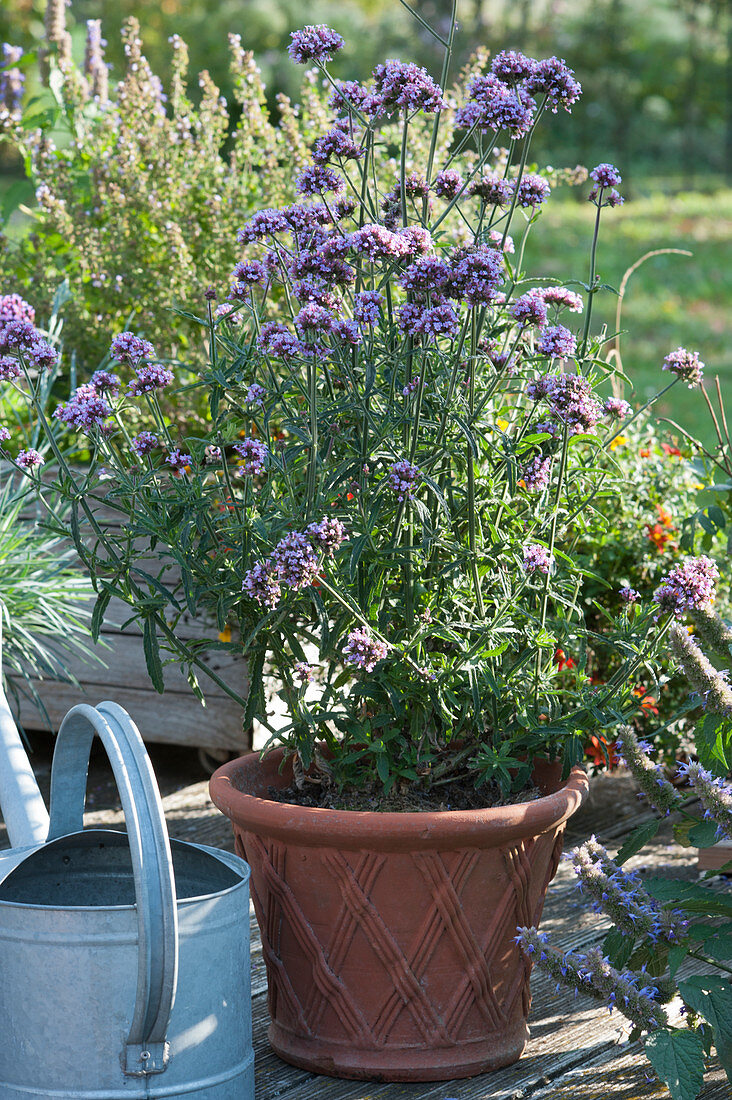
174,718
626,1076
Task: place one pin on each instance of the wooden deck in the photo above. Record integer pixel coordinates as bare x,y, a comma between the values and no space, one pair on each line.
577,1049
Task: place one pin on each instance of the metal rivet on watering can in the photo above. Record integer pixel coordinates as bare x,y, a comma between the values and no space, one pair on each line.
124,957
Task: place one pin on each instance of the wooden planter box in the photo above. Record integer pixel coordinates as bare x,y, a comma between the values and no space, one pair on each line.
176,717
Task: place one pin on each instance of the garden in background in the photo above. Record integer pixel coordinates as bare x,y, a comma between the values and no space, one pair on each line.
382,394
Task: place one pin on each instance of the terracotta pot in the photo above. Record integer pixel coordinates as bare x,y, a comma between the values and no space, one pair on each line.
389,938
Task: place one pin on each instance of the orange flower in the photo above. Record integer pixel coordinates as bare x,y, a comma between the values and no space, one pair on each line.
645,452
669,450
595,752
562,661
648,702
665,518
658,535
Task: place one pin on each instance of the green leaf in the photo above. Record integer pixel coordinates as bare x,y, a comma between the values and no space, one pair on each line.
681,833
678,1059
711,737
703,834
100,608
151,650
676,956
255,695
637,840
711,997
618,947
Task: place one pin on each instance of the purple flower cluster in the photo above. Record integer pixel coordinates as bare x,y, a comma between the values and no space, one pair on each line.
536,474
561,296
105,382
318,179
149,377
303,672
537,558
10,368
570,398
130,349
688,586
15,308
338,143
85,410
178,460
622,896
530,309
21,337
448,183
604,193
366,307
295,560
557,342
376,242
495,105
276,339
492,189
592,973
408,87
616,408
254,454
403,477
686,365
363,650
314,43
255,395
532,190
261,583
430,322
29,459
715,796
511,66
327,534
555,80
628,595
144,443
12,80
650,776
477,272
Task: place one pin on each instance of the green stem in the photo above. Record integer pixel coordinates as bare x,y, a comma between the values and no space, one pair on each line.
591,289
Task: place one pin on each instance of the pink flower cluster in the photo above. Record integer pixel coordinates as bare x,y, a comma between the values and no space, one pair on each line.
689,586
363,650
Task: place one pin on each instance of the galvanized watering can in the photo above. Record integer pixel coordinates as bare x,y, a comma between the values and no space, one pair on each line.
124,958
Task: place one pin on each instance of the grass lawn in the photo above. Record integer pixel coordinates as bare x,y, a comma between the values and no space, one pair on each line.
670,300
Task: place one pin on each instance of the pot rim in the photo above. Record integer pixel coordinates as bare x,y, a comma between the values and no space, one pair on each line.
311,826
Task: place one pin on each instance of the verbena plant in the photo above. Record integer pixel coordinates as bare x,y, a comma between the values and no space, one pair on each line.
659,923
405,447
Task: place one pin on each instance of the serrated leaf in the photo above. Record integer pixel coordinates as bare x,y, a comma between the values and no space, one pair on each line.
711,997
678,1059
711,737
637,840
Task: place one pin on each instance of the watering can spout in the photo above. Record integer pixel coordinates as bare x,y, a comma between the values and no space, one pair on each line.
21,802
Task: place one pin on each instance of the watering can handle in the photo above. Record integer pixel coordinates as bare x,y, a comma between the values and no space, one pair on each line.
157,973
